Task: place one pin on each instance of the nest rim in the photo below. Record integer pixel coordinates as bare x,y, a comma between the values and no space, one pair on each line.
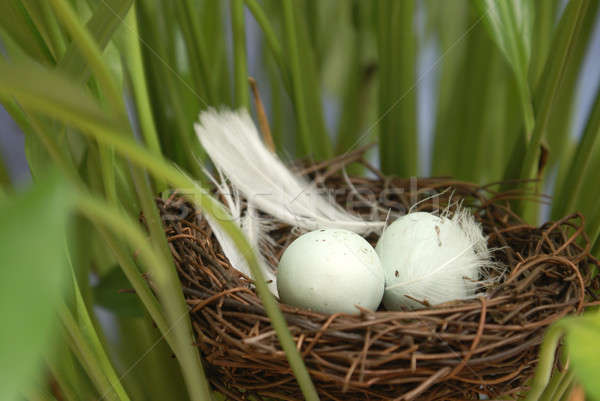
243,355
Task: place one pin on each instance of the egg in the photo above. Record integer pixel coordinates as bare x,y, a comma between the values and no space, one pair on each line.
330,271
428,259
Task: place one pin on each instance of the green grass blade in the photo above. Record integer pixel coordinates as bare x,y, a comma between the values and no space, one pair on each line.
566,198
312,80
137,76
240,72
452,24
38,97
158,266
313,139
175,102
552,79
101,26
106,215
32,244
195,41
510,26
543,29
212,25
45,22
297,84
358,87
396,42
91,52
271,38
87,355
18,25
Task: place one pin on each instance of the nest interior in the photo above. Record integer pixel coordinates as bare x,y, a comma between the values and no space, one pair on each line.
458,350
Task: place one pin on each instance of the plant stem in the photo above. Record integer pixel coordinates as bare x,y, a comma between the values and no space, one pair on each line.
91,52
134,63
566,198
242,97
271,38
397,80
159,167
545,363
551,81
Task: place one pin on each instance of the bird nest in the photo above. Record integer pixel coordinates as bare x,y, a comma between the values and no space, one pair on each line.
458,350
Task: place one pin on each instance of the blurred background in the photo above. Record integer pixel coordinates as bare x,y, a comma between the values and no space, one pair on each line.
426,87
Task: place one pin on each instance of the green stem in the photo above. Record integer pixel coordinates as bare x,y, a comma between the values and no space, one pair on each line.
298,96
565,386
113,134
567,198
545,363
137,73
86,356
551,81
120,223
91,52
242,99
194,42
396,42
169,173
543,28
271,38
553,383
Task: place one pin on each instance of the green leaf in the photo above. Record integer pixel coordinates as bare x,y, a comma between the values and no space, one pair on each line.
510,23
570,29
397,120
582,345
54,95
18,25
32,277
566,198
106,19
240,72
114,293
45,22
312,139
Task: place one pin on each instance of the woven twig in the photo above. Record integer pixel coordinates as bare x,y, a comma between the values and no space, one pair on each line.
457,350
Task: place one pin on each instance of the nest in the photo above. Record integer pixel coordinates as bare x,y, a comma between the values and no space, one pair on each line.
458,350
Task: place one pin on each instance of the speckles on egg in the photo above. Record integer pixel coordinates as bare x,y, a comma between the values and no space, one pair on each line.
330,271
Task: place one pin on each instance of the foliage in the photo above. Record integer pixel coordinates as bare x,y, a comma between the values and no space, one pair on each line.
107,91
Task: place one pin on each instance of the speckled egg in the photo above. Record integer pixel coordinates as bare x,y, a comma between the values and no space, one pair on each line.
331,271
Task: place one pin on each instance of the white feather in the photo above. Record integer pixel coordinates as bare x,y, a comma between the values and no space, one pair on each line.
231,140
434,259
250,224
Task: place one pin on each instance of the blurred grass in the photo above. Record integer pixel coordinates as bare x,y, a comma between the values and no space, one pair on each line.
107,91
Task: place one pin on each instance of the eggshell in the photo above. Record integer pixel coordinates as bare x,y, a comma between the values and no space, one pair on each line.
430,258
330,271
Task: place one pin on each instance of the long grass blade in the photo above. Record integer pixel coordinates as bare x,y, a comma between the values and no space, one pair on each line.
542,32
566,197
87,355
195,41
553,76
15,21
396,43
91,52
312,137
510,25
37,97
240,63
45,22
101,27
